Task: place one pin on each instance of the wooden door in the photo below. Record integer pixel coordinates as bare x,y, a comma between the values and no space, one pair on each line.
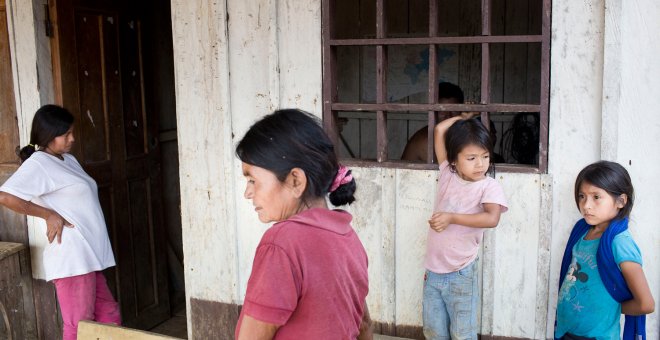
8,123
99,70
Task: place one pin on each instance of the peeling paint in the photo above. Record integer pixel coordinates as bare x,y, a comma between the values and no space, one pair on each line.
393,205
91,120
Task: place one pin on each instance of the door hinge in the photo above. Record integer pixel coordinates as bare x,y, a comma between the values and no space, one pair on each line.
48,25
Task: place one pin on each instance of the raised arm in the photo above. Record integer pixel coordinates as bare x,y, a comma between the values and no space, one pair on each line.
439,134
439,137
54,221
642,301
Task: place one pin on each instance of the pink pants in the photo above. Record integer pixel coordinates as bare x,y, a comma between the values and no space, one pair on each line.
85,297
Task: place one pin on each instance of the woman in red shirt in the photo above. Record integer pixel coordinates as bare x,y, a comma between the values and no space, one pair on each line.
309,277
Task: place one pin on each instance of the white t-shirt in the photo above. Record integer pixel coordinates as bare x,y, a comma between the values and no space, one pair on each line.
63,186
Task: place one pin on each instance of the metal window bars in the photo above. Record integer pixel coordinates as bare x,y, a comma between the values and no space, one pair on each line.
381,107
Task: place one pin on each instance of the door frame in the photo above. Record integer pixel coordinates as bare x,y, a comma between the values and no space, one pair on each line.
65,73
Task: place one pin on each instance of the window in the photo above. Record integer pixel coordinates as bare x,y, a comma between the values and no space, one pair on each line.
384,62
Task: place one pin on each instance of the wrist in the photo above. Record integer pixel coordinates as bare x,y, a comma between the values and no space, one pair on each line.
48,214
450,218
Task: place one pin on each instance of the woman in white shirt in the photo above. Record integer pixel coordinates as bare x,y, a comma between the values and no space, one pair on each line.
51,184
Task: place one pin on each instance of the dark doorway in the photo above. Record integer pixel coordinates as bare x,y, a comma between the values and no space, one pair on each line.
113,69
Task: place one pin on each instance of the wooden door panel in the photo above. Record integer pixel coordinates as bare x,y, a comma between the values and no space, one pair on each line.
93,121
132,84
140,236
102,83
145,244
107,199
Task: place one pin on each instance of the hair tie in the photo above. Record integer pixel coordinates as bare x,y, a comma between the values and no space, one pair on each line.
341,178
32,145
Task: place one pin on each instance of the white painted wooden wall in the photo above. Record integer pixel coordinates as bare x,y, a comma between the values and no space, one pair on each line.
269,56
31,69
604,82
228,74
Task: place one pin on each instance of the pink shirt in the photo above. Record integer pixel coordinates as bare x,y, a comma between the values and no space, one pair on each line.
310,277
457,246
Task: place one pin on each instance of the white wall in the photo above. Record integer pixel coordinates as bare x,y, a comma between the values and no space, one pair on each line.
604,81
30,51
631,124
228,74
204,122
238,79
575,104
269,56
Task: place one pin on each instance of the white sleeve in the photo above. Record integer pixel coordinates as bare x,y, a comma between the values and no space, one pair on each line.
29,181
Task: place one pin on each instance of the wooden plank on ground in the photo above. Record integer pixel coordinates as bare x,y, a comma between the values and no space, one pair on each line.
89,330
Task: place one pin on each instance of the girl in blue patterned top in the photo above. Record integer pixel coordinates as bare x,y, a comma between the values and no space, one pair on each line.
601,273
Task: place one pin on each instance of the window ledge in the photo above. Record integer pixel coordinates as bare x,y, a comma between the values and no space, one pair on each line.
394,164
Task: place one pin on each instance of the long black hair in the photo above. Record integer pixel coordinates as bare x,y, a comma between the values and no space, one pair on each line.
49,121
291,138
611,177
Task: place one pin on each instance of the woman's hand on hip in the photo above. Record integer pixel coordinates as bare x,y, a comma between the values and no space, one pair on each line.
55,224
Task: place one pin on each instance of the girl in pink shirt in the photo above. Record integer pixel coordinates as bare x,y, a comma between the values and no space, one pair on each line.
467,202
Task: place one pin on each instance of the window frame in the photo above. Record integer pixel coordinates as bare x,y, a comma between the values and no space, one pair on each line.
331,106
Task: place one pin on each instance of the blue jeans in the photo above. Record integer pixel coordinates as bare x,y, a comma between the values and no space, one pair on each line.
450,304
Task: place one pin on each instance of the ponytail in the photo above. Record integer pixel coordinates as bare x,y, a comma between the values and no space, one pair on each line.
343,187
27,151
344,193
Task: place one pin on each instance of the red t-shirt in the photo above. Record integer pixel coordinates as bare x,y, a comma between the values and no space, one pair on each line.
310,277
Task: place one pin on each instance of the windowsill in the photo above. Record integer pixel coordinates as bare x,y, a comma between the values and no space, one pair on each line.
394,164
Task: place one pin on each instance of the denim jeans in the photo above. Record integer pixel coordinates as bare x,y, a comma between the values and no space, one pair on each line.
450,304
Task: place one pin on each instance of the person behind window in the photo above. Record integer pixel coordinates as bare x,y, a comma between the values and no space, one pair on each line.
601,272
51,184
448,93
415,149
309,277
467,202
